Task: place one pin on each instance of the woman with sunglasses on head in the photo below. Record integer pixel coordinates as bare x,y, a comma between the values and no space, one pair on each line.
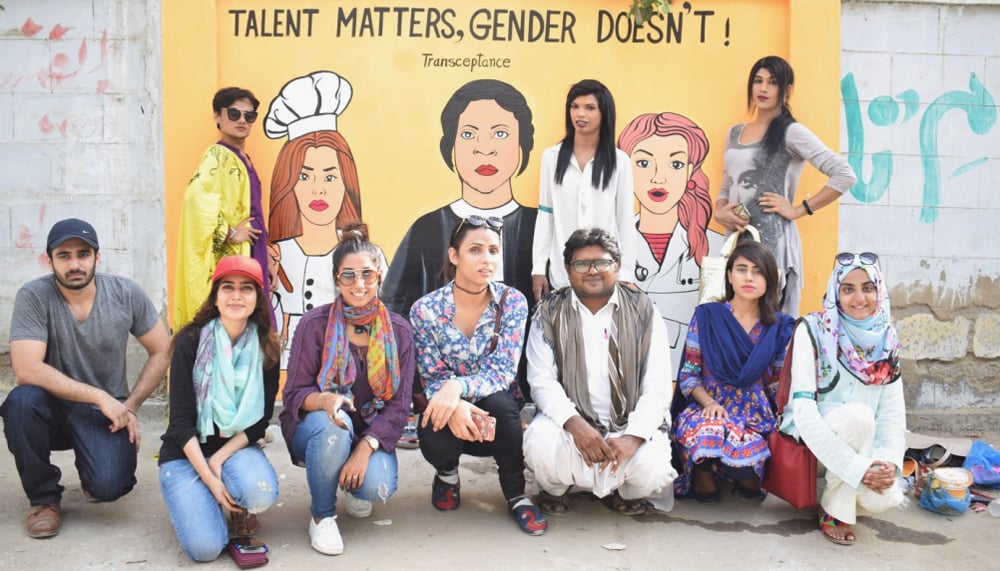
221,214
762,164
348,392
469,335
722,401
223,380
846,396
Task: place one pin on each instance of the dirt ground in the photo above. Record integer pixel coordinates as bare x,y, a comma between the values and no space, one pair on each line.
407,533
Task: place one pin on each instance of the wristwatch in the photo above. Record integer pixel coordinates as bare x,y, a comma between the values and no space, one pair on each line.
371,441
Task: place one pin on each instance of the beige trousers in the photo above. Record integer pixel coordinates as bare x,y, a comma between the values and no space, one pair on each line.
552,455
854,423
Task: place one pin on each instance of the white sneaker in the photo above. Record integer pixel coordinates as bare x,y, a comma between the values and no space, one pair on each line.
325,536
356,507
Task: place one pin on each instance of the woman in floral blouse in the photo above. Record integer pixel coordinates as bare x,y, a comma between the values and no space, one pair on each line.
468,337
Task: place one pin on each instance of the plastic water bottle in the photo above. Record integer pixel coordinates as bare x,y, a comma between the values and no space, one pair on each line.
994,508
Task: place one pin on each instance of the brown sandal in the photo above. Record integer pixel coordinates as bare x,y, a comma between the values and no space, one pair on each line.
828,524
620,505
243,524
553,505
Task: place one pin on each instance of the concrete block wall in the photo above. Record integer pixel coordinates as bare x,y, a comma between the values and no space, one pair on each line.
80,127
920,90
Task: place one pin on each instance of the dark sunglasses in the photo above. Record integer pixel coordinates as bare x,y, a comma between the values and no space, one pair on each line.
348,277
477,221
234,114
850,258
583,266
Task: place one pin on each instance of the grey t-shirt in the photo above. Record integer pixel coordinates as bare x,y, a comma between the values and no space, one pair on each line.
91,352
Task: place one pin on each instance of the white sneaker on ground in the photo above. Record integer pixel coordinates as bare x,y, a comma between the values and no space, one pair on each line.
356,507
325,536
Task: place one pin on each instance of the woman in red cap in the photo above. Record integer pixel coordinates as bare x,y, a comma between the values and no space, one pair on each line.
223,380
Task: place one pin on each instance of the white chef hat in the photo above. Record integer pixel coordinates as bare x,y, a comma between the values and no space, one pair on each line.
308,104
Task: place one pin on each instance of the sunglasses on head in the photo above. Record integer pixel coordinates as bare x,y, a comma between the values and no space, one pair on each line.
234,114
477,221
348,277
583,266
850,258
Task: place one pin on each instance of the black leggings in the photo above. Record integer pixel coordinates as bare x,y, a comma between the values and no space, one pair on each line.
442,449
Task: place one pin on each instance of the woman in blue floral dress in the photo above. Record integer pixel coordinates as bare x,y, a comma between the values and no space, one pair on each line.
722,407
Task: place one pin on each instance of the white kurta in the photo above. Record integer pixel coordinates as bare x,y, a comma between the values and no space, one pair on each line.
549,450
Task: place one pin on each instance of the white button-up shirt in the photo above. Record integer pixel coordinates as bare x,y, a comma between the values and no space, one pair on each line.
575,204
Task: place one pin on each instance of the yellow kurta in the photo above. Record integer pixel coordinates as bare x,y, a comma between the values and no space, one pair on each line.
217,199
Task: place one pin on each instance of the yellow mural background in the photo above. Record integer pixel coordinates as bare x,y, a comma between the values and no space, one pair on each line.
393,121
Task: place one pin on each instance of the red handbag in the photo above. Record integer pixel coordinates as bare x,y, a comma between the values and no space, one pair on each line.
790,472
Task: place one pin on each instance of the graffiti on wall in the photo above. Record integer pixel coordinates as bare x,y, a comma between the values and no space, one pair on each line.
71,62
884,111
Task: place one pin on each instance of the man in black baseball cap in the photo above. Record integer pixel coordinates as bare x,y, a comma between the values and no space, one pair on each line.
71,228
68,338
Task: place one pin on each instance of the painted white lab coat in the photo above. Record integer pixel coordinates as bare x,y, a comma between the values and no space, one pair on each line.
673,285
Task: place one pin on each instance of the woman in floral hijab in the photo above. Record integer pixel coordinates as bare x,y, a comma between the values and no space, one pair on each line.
846,402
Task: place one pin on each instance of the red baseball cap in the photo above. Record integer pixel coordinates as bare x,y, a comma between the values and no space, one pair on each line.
241,265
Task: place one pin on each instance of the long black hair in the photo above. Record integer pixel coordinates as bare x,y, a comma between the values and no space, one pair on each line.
781,71
604,159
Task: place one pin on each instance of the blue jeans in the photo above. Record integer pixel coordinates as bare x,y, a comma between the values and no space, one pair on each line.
326,448
198,519
36,423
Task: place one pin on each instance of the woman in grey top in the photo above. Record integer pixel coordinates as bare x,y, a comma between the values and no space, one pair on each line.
762,164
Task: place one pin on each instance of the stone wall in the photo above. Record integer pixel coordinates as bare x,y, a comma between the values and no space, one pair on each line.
920,85
80,136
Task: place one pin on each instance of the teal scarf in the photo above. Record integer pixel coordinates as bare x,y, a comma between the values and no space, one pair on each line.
228,381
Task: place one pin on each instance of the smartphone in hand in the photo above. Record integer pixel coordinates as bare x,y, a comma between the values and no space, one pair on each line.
486,425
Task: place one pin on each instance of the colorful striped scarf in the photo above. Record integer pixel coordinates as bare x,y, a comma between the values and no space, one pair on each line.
339,372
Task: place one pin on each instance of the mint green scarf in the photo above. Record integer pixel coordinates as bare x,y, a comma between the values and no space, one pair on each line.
228,381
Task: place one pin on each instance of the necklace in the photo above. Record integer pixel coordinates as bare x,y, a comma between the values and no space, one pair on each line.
361,329
469,291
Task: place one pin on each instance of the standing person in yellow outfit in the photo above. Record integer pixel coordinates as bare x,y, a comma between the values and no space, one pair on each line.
221,214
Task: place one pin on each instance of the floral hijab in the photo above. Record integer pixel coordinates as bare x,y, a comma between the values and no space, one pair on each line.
869,347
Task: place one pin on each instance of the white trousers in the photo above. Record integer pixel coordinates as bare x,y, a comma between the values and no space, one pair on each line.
552,455
854,423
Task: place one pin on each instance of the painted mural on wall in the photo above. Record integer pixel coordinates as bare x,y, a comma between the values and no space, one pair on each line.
486,140
430,113
315,192
672,235
977,104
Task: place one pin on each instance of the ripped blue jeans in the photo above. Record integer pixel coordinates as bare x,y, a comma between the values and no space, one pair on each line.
326,448
198,519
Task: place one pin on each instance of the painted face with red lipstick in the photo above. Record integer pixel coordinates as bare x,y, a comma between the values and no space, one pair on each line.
320,187
661,170
486,147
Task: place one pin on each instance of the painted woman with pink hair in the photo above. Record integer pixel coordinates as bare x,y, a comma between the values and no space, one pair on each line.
667,151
